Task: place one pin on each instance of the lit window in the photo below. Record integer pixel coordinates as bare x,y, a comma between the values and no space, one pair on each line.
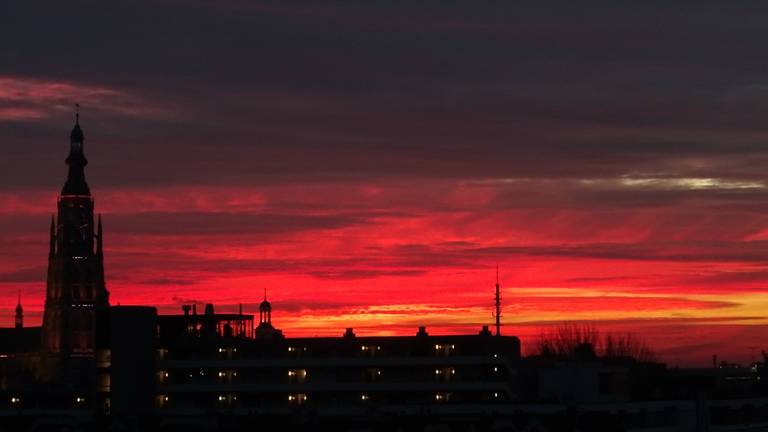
297,398
364,397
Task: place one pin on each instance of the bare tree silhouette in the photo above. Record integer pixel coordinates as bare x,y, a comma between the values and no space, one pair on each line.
574,340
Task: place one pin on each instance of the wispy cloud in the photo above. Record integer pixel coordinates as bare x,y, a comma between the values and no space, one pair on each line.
24,98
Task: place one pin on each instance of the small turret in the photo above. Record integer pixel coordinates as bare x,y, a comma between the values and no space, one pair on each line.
265,311
265,330
19,318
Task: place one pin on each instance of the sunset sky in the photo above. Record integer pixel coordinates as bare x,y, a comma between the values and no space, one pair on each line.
369,163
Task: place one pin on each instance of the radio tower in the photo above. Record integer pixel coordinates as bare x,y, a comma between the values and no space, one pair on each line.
498,303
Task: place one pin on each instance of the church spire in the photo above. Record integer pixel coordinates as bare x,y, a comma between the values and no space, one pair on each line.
76,161
75,291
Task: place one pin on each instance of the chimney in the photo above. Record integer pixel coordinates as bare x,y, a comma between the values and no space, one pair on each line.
186,309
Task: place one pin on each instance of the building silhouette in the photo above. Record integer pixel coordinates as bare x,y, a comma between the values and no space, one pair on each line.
75,291
92,366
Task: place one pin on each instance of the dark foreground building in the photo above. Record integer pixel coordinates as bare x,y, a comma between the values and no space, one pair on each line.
92,366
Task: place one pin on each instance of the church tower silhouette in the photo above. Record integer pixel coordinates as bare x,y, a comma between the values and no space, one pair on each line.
76,291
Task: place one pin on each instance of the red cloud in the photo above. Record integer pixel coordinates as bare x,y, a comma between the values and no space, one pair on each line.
384,257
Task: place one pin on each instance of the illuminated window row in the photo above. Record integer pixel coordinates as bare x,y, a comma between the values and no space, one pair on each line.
16,400
303,374
164,375
293,398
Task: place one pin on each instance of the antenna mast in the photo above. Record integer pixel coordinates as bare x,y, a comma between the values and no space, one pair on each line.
498,303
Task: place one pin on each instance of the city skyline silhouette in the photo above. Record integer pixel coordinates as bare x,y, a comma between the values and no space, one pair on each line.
372,170
383,216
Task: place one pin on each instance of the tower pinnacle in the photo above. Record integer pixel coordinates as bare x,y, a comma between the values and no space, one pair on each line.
76,161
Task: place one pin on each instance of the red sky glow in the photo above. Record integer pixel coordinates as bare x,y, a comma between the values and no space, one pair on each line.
370,171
